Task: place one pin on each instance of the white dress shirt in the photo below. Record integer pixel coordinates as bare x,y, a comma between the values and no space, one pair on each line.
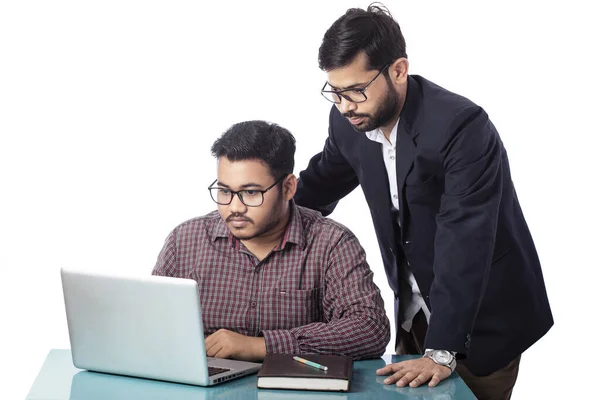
388,148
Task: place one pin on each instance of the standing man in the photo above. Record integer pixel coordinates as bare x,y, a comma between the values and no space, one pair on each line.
469,291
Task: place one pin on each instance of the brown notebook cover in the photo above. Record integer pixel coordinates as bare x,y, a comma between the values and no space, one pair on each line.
281,371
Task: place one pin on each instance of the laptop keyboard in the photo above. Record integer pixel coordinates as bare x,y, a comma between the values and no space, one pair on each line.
215,370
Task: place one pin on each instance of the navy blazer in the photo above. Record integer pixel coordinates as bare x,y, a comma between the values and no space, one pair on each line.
462,229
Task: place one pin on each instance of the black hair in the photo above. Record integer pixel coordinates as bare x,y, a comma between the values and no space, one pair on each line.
258,140
373,31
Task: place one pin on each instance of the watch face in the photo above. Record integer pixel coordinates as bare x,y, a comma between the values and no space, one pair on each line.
442,356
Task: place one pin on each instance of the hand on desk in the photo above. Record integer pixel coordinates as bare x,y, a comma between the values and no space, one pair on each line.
228,344
415,372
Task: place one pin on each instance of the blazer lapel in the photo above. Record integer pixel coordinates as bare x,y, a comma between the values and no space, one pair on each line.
405,146
376,186
405,154
374,179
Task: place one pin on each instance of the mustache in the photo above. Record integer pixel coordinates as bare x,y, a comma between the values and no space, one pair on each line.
238,217
352,114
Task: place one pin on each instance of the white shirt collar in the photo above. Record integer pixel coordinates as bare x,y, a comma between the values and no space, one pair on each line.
377,135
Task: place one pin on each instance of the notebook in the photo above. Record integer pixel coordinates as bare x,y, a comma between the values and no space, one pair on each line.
281,371
142,326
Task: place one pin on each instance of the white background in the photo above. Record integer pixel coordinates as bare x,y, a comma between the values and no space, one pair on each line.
108,110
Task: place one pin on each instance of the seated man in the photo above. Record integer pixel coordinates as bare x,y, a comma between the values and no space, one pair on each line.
273,277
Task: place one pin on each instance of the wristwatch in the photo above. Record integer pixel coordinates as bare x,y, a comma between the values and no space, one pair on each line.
442,357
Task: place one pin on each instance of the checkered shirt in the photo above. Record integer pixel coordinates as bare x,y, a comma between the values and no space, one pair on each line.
314,293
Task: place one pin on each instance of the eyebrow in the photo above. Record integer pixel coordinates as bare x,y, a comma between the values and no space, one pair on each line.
354,86
244,186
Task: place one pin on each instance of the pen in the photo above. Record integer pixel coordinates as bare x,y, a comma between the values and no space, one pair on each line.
311,363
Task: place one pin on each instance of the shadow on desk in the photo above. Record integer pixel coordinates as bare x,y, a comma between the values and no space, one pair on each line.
88,385
445,390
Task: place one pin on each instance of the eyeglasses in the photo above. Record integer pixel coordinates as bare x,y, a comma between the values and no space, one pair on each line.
249,197
353,95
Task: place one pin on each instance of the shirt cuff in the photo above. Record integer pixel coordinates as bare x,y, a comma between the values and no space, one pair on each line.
281,341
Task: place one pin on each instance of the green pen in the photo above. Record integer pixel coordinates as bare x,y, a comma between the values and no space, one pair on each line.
311,363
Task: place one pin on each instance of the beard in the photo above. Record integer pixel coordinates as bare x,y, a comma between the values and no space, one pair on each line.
275,216
260,230
385,112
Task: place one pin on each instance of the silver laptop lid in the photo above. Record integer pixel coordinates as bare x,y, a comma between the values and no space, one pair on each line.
148,326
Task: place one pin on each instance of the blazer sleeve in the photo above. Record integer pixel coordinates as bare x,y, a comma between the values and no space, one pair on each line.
472,156
328,178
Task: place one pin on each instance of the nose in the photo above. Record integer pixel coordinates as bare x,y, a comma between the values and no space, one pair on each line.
346,106
236,206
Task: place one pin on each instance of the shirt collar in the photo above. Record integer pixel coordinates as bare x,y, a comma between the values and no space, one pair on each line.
220,230
377,135
294,232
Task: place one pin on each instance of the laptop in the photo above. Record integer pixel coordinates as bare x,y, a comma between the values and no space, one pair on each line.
142,326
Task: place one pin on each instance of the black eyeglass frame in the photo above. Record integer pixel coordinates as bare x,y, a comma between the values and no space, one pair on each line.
239,193
340,93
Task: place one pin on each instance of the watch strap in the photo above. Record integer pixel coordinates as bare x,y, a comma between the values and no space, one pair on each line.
451,364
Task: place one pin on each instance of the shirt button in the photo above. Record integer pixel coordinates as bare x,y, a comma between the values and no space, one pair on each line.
253,304
392,157
395,196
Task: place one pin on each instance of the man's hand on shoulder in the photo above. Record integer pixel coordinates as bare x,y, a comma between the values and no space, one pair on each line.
228,344
415,372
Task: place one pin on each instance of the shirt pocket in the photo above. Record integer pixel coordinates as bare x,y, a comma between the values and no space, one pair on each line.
298,307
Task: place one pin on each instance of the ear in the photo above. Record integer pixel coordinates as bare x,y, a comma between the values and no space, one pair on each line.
290,184
399,70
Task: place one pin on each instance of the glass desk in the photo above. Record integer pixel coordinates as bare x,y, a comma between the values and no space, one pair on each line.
58,379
